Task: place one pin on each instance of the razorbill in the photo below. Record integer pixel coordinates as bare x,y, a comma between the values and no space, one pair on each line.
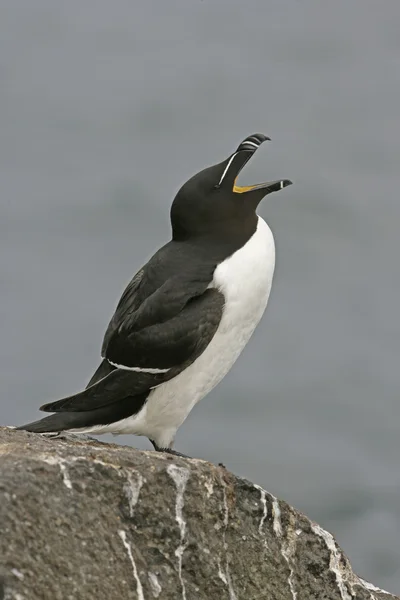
186,315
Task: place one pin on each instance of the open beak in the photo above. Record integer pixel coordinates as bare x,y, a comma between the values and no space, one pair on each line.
268,186
239,159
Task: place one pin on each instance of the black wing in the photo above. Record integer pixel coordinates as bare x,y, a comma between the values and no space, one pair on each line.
161,332
171,345
165,319
160,294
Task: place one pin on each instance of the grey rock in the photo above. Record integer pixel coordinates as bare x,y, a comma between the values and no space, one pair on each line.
80,519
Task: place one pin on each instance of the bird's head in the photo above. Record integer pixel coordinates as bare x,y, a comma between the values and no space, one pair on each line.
210,202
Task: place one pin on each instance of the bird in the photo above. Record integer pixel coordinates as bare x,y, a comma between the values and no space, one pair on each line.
186,315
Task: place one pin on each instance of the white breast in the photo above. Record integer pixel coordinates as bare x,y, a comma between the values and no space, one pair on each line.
245,280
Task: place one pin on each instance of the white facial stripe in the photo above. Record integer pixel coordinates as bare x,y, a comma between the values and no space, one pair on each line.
226,168
138,369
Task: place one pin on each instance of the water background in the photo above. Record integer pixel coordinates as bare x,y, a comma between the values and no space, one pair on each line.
105,109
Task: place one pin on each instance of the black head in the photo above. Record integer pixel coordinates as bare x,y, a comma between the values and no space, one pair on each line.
211,204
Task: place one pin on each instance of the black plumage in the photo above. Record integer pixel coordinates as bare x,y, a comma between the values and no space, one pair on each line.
175,342
169,312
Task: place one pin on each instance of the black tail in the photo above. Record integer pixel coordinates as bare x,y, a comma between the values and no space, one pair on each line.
58,422
112,395
108,390
105,415
68,420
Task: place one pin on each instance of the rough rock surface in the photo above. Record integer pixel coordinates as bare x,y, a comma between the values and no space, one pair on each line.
82,520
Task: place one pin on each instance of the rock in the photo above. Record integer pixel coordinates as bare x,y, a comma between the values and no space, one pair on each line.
83,519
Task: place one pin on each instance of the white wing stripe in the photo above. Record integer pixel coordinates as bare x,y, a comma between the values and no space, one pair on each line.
138,369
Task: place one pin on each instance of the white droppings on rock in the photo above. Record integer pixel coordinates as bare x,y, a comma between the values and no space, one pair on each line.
156,588
65,475
334,562
372,588
226,577
226,512
264,505
221,574
299,532
180,476
132,486
139,588
289,551
209,487
132,489
97,461
342,570
276,514
17,574
232,595
54,459
291,584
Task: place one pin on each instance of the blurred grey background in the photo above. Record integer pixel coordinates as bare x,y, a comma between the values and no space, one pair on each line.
106,108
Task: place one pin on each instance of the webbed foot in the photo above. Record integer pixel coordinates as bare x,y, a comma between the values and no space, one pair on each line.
169,451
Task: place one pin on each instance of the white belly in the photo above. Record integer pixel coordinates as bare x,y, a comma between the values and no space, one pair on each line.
245,279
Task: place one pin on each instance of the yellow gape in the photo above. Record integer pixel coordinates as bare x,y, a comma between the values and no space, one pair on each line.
240,189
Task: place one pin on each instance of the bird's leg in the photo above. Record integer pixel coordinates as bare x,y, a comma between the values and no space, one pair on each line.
168,450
